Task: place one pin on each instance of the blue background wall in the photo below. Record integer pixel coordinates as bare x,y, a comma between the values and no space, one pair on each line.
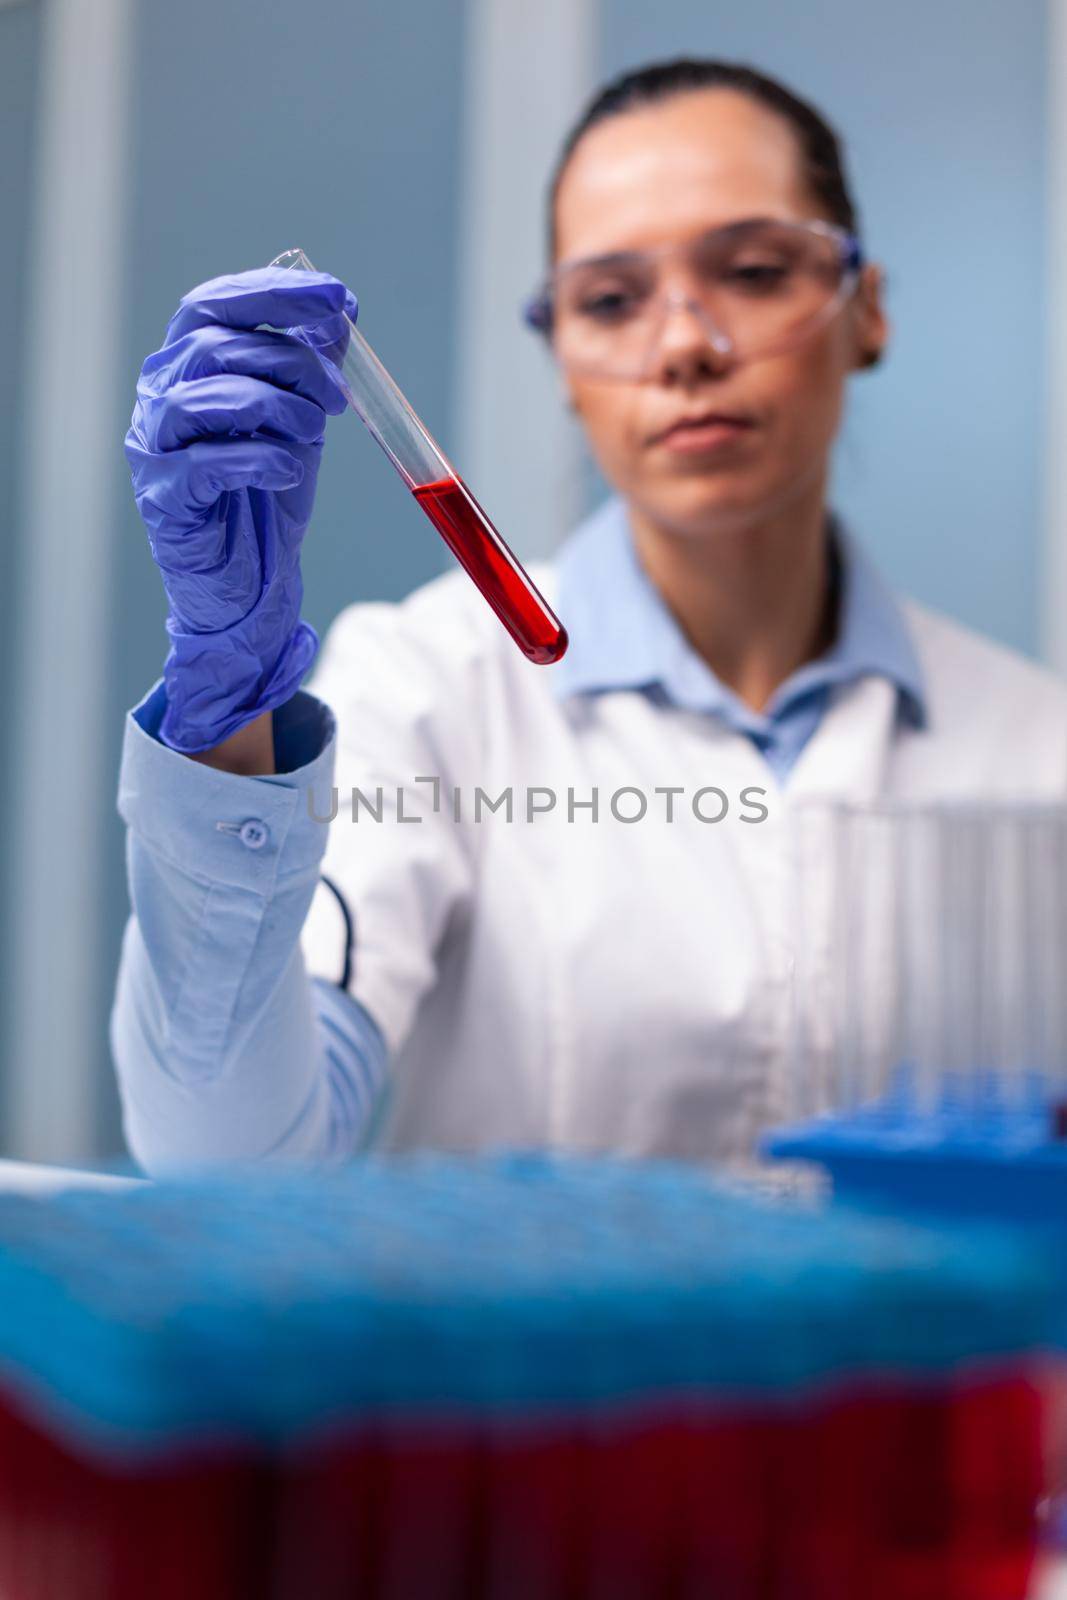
257,126
20,35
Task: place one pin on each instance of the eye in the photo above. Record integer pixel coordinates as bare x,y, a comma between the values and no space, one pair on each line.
759,276
608,305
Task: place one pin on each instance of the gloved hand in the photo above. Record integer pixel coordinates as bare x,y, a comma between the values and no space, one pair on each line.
224,449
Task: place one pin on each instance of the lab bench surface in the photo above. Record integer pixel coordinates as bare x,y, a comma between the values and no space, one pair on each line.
22,1177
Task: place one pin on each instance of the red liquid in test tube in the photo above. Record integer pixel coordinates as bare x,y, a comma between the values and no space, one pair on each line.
486,559
441,493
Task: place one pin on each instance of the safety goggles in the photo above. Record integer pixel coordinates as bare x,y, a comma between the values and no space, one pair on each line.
757,288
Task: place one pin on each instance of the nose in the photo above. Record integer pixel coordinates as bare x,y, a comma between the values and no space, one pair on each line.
689,344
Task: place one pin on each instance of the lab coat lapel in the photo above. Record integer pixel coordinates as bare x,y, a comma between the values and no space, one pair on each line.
847,756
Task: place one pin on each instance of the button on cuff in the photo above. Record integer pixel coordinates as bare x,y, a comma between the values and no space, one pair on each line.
191,815
253,832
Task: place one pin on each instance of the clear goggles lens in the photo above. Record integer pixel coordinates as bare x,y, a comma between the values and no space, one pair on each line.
757,287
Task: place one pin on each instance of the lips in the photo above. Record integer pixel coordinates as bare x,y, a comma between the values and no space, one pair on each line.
701,419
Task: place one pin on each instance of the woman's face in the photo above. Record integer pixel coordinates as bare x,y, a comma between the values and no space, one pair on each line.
660,175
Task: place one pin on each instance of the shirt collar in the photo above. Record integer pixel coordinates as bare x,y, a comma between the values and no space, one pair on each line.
622,634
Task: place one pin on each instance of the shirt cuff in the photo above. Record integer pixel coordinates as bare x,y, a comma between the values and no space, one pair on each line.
224,827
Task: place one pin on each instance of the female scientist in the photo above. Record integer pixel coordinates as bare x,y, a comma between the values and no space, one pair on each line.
557,909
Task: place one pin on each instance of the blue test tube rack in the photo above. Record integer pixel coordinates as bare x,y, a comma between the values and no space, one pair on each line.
986,1149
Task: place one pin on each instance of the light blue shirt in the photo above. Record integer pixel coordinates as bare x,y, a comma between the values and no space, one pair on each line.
224,1046
623,636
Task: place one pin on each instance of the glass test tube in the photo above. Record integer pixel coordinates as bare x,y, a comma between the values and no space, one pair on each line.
945,925
442,494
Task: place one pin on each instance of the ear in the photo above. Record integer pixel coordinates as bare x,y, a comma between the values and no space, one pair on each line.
870,323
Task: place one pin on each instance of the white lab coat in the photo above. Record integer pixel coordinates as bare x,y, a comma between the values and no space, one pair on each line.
608,985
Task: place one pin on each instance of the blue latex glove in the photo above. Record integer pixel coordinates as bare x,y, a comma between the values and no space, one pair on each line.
224,449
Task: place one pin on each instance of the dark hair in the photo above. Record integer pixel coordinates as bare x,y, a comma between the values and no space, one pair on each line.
819,145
